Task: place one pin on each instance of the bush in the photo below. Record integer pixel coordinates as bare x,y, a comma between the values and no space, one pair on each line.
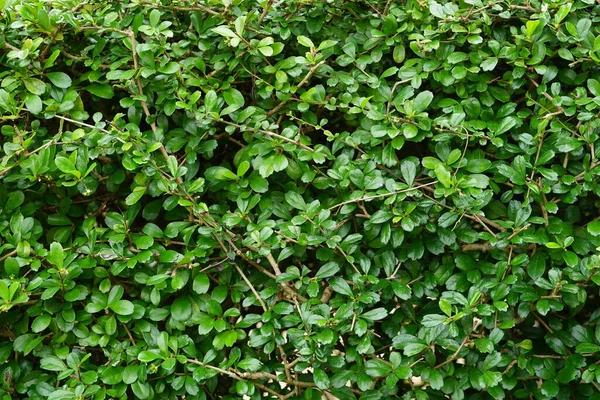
297,199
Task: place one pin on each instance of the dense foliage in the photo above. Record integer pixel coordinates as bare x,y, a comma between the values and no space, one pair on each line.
299,199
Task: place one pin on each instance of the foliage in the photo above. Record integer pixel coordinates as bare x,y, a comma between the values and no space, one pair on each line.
295,199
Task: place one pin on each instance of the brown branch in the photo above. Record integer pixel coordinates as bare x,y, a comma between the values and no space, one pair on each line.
243,376
4,257
138,80
302,83
541,321
265,11
291,292
10,46
272,134
582,174
485,247
129,334
455,355
195,7
274,264
382,195
251,286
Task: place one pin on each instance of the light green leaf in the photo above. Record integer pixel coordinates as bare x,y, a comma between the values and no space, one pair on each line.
136,194
59,79
423,100
224,31
122,307
35,86
33,103
213,174
56,255
234,99
306,42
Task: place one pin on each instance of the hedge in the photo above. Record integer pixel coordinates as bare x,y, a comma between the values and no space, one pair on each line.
351,199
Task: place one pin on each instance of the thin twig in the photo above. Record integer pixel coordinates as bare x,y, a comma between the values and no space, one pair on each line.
274,264
251,286
302,83
143,103
367,198
4,257
272,134
129,334
455,355
265,11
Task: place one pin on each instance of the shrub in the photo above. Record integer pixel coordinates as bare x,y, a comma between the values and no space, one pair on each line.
296,199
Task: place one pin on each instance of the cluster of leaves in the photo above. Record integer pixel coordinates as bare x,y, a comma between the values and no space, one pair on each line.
299,199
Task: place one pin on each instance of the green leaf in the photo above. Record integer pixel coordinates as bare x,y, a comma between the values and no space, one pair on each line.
274,163
234,99
443,175
594,228
375,314
381,216
66,165
35,86
56,255
33,103
41,322
52,363
562,12
537,265
149,356
259,184
585,348
433,320
154,18
169,68
181,309
135,195
11,266
201,284
570,258
249,364
489,64
550,388
339,285
220,174
399,54
437,10
409,171
224,31
295,200
103,91
377,368
239,24
327,270
306,42
423,100
122,307
60,79
531,26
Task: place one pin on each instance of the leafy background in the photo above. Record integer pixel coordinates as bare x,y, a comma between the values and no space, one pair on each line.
300,199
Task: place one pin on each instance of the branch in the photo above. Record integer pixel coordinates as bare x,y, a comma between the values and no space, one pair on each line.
4,257
272,134
243,376
455,355
302,83
136,66
265,11
582,174
251,286
367,198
